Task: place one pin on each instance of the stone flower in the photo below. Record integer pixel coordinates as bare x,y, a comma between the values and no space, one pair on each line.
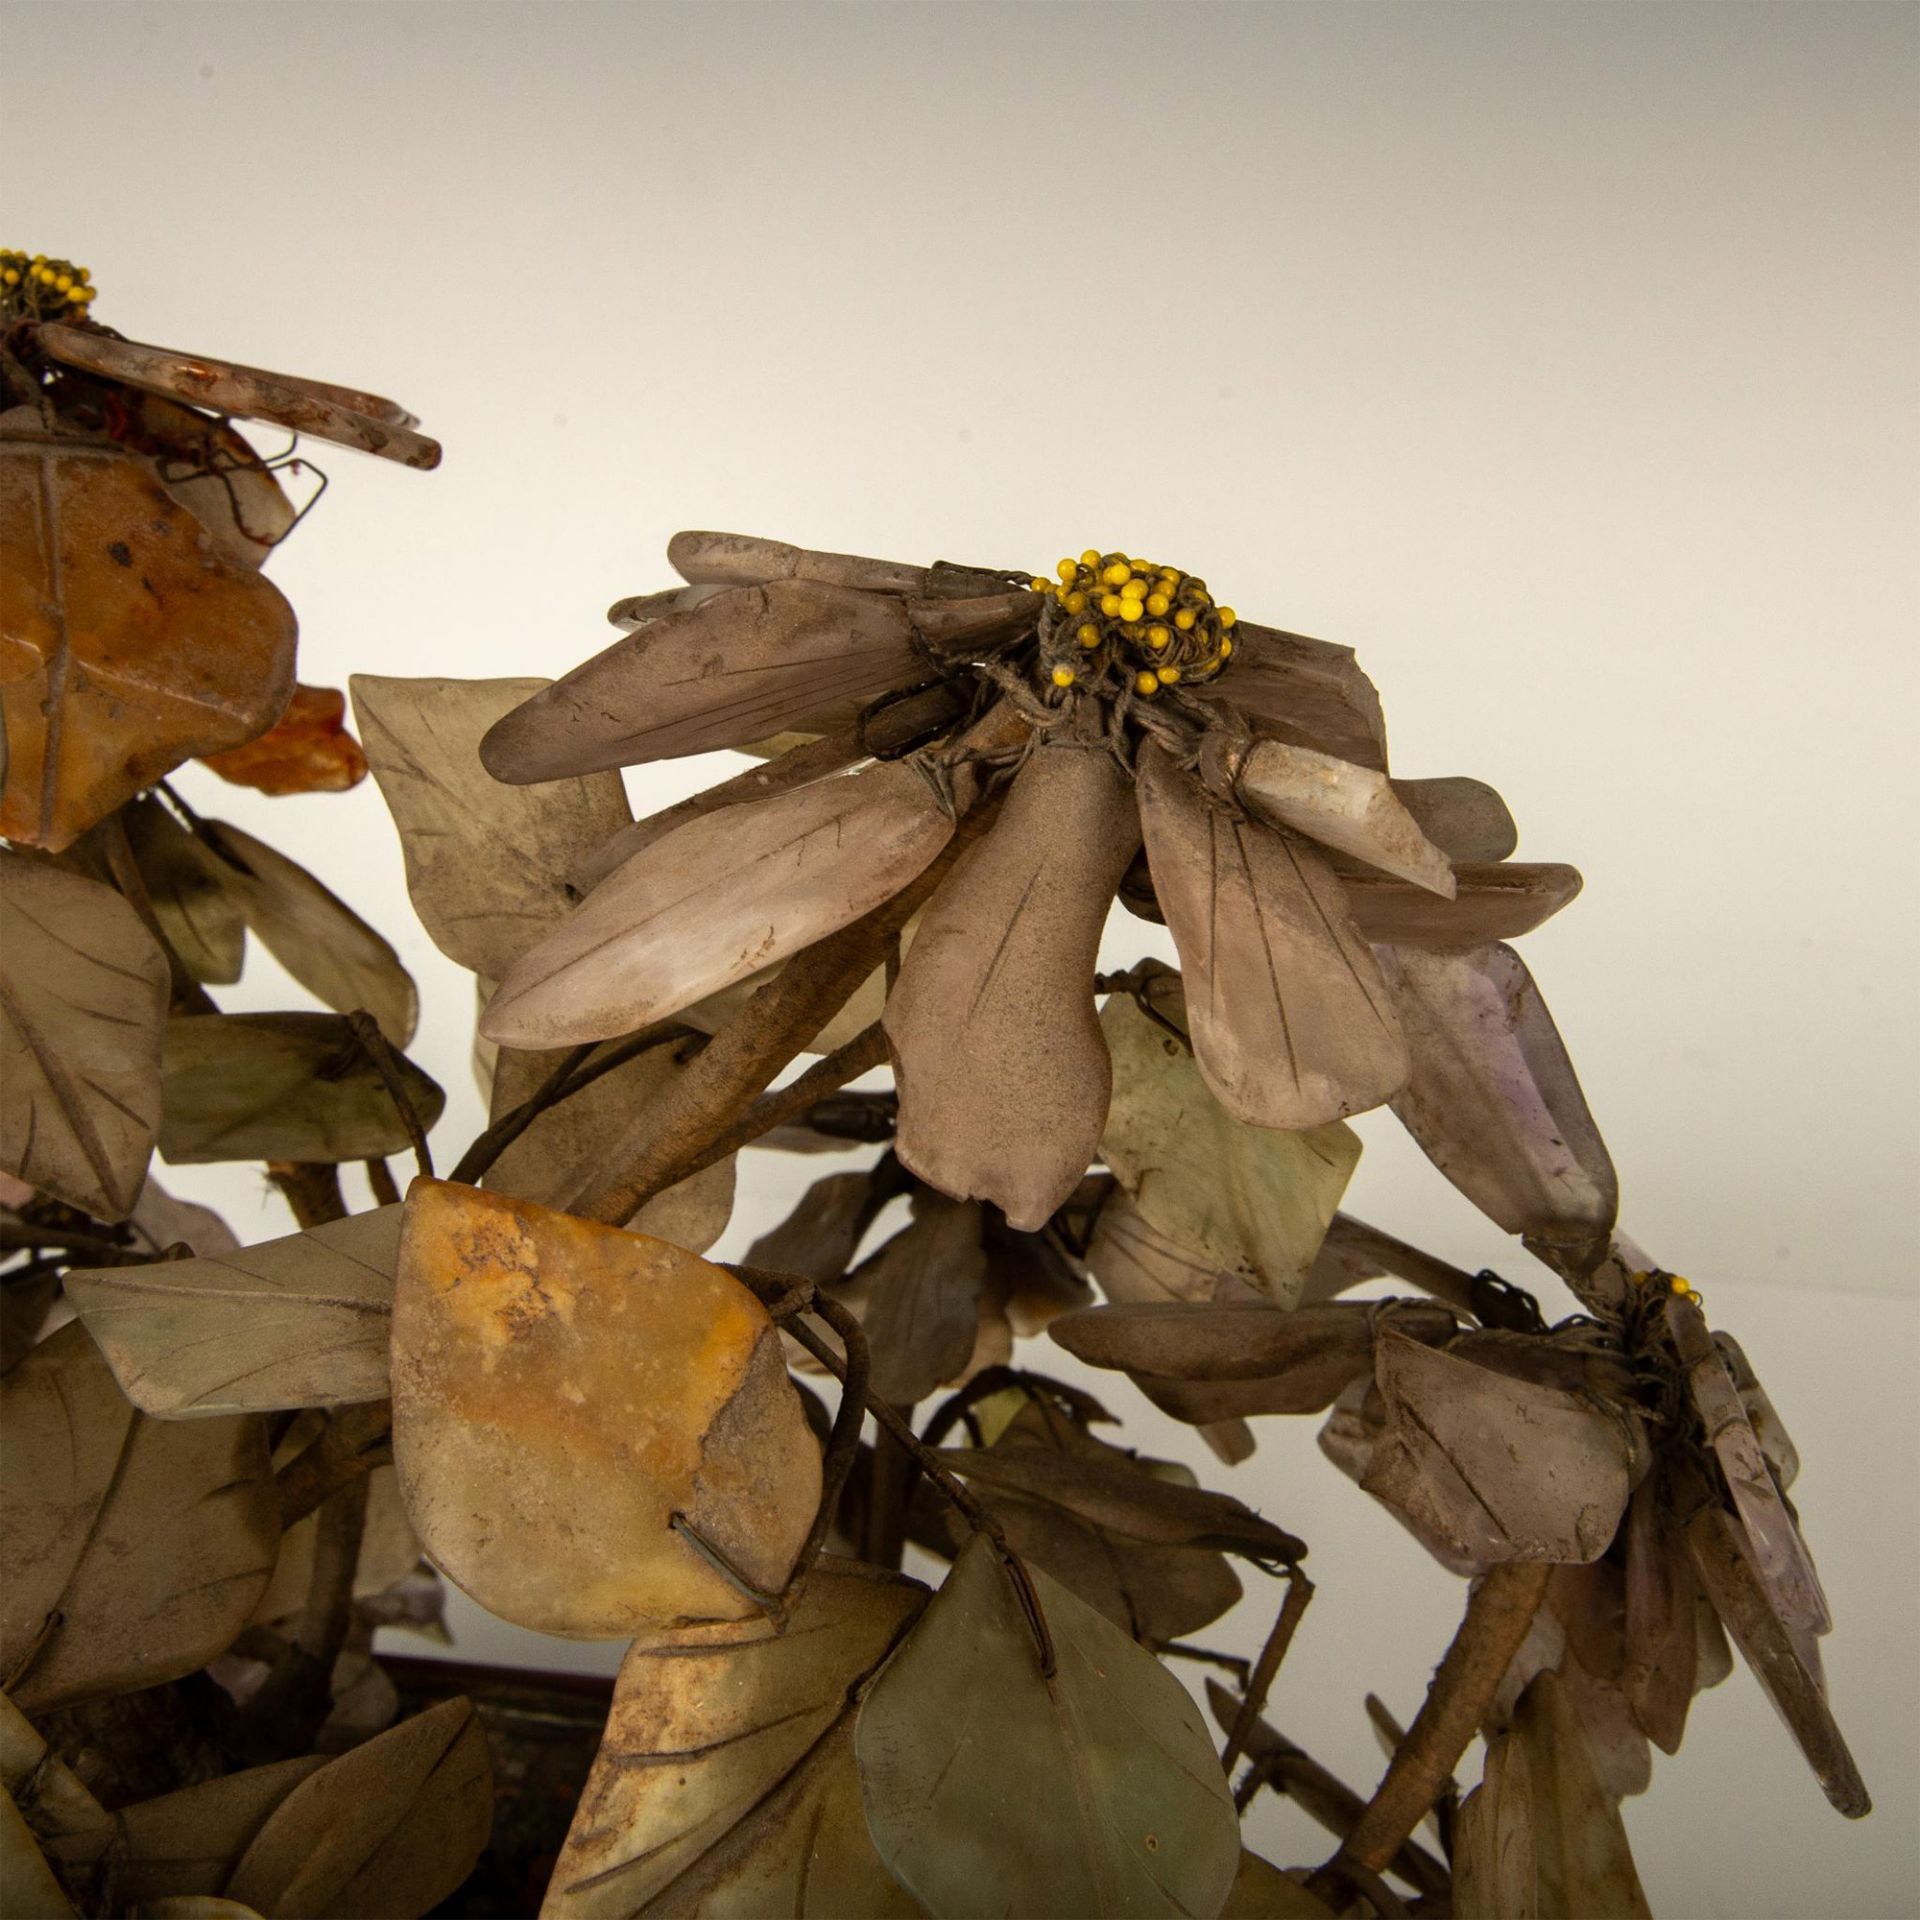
1059,726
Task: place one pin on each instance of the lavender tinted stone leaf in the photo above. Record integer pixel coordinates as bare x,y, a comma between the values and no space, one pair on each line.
725,1781
1338,804
1291,1024
1002,1069
487,864
1660,1656
1493,1098
1497,901
747,663
990,1788
1251,1201
297,1322
716,900
83,998
1497,1468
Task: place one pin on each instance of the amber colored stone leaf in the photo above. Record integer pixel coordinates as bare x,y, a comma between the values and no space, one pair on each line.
725,1781
213,471
384,1832
127,643
487,864
562,1390
1250,1201
1003,1073
152,1539
280,1086
83,1000
743,664
307,750
1291,1022
1493,1098
296,1322
991,1787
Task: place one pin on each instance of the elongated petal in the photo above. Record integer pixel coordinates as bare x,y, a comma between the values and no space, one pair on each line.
1465,818
1292,1025
1496,901
1309,692
1352,808
736,668
1004,1077
1493,1098
745,560
717,899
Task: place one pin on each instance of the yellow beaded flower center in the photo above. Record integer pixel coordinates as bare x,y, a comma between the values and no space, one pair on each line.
1115,615
34,287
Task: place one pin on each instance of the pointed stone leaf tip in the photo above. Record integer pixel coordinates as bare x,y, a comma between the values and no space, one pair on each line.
725,1781
133,644
992,1787
298,1322
562,1391
1250,1201
83,1000
151,1540
487,863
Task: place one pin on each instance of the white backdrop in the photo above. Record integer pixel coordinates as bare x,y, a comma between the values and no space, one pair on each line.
1563,360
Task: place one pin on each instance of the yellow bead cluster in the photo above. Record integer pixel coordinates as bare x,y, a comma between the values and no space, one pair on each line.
34,287
1155,625
1668,1283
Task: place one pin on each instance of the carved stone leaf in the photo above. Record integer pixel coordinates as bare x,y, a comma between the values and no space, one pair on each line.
1351,808
1493,1098
1660,1653
741,665
545,1163
28,1887
992,1788
1497,901
192,892
83,998
280,1086
1496,1467
819,1238
1246,1200
127,643
1003,1073
487,863
318,938
299,1322
716,900
562,1392
923,1292
185,1843
160,1221
1291,1022
384,1832
1541,1835
1136,1263
725,1782
222,481
153,1539
48,1791
746,560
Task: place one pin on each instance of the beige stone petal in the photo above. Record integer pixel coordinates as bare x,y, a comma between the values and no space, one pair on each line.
1348,807
1003,1073
745,664
717,899
1292,1025
1493,901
